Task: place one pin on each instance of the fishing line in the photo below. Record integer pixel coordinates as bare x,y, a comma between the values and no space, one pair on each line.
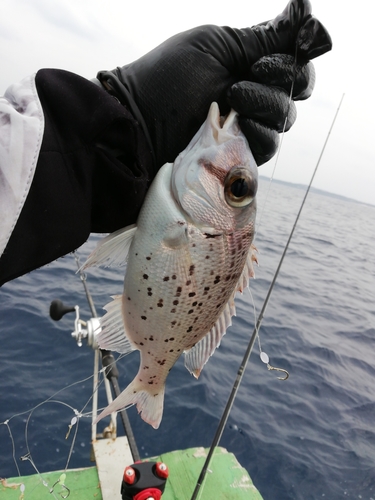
111,373
242,368
262,210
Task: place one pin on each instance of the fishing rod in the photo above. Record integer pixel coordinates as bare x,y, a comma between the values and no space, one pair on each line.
111,371
57,311
245,360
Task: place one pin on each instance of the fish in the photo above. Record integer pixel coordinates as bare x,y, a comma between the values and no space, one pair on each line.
187,256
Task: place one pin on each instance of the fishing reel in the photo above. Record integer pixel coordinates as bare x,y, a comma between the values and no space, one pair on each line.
144,481
82,329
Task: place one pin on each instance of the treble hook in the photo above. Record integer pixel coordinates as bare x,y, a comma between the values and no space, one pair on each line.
279,370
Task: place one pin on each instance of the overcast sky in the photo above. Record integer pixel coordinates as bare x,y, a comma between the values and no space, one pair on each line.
85,36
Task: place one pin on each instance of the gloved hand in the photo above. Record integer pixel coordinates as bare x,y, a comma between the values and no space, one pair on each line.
170,89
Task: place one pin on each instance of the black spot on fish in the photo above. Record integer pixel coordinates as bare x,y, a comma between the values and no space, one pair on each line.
144,317
171,339
217,279
151,338
189,329
151,382
191,270
175,302
178,350
145,367
155,395
173,323
129,298
194,303
160,303
190,311
148,258
191,294
166,278
178,292
173,310
207,256
145,276
188,282
171,350
141,343
207,235
200,304
174,277
166,340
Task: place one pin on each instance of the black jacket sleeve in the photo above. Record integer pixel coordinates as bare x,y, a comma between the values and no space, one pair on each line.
93,171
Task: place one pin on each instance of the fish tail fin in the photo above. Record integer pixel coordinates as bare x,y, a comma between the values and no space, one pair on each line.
149,403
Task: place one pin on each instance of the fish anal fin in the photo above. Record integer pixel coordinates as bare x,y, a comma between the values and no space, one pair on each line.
197,356
112,335
113,249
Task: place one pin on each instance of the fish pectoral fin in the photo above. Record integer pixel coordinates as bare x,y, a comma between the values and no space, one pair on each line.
149,404
113,249
176,236
112,335
197,356
248,270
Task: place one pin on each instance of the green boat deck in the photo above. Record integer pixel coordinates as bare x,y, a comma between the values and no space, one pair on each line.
227,479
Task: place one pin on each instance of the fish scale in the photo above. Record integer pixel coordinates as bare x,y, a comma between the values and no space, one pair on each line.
188,255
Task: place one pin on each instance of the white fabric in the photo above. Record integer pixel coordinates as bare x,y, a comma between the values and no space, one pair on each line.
21,132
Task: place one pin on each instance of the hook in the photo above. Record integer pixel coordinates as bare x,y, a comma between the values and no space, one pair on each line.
279,370
61,481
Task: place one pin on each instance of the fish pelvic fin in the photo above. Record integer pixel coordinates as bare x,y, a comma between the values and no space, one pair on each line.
149,403
113,249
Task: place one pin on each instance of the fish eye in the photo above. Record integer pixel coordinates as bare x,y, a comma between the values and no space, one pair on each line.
240,187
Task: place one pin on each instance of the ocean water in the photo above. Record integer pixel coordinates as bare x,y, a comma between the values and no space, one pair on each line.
310,437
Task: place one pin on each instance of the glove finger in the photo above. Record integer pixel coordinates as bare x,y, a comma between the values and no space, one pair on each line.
294,28
263,141
281,70
267,105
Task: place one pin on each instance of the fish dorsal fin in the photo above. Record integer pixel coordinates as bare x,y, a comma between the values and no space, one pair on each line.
248,270
197,356
113,336
113,249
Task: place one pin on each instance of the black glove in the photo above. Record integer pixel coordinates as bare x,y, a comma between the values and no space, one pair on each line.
170,89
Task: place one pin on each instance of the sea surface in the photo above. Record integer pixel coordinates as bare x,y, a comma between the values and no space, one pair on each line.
309,437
